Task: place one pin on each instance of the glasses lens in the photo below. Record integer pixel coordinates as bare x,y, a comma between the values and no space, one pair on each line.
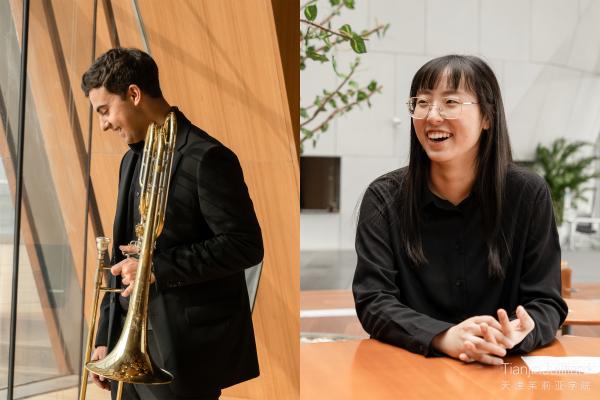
451,107
418,107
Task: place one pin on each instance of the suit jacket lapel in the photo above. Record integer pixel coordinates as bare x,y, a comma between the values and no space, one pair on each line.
183,129
122,200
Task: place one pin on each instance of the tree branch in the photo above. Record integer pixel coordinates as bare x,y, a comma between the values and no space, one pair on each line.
363,35
325,29
336,91
337,111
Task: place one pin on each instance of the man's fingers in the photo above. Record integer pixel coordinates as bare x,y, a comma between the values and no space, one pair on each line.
127,291
101,382
116,269
465,358
129,249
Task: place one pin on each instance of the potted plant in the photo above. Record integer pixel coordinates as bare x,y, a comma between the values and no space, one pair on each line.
565,170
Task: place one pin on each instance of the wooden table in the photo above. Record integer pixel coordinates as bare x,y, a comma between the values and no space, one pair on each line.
368,369
583,312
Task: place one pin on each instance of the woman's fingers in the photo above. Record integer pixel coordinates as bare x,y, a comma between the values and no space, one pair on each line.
488,319
488,335
483,346
471,352
504,322
525,319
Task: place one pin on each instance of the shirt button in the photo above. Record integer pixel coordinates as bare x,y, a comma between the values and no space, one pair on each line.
137,194
458,283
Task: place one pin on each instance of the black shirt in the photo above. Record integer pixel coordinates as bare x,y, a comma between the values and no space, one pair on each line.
407,307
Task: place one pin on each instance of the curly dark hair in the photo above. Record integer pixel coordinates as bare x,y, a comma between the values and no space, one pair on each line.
120,67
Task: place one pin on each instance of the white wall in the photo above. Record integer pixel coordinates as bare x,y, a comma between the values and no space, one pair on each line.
545,53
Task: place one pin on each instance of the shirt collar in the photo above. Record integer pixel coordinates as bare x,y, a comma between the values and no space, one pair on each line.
428,198
137,148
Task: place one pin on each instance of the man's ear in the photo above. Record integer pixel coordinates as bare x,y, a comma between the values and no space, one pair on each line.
134,93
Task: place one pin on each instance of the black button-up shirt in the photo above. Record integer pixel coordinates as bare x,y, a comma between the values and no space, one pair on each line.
407,307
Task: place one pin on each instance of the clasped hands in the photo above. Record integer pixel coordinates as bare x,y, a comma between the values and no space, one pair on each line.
127,268
483,338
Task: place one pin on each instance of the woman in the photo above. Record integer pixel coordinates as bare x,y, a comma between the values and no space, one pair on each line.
458,253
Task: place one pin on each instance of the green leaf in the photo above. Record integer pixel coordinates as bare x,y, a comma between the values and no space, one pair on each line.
349,4
306,133
324,127
372,86
343,97
310,12
353,84
313,55
332,103
358,44
334,2
303,112
346,30
360,96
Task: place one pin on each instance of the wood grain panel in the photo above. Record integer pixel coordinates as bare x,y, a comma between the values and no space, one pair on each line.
220,63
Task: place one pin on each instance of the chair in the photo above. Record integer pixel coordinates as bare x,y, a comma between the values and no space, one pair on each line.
252,275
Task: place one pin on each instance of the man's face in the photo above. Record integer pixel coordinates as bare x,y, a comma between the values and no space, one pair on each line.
120,115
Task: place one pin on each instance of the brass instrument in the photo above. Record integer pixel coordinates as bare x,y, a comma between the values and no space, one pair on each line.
129,361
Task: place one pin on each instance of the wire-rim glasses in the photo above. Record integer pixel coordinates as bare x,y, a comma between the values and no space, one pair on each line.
448,107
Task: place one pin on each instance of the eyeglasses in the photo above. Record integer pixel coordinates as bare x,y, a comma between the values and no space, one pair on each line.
449,107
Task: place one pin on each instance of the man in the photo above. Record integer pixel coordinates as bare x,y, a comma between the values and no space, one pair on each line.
199,314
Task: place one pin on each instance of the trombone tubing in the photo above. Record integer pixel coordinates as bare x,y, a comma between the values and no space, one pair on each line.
102,247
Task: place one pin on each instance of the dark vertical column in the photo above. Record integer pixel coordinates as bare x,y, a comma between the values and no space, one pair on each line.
285,14
18,197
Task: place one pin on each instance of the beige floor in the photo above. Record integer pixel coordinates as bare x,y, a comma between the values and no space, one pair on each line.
93,393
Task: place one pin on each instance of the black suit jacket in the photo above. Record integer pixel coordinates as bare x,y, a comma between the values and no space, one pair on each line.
199,307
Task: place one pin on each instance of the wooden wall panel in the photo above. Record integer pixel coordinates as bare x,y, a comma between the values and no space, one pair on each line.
220,63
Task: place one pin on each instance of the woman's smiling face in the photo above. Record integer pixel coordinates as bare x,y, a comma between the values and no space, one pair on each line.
446,140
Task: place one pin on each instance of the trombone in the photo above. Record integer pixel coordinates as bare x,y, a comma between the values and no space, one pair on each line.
130,361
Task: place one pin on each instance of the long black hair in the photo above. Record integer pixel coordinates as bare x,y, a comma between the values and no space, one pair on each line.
493,159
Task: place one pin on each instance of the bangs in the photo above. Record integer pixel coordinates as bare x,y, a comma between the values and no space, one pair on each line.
457,70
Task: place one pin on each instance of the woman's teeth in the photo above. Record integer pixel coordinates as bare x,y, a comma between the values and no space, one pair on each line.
438,136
